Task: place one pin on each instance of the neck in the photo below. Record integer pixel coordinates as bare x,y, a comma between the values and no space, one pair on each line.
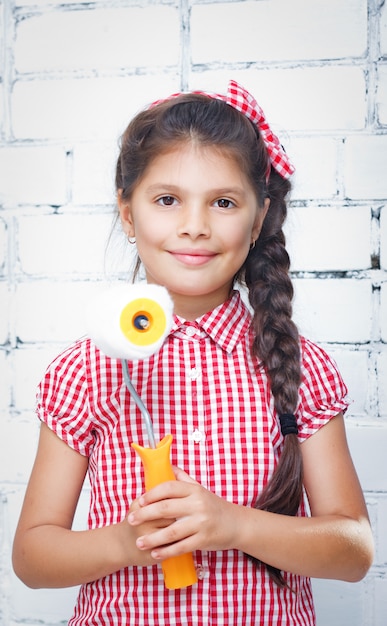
191,308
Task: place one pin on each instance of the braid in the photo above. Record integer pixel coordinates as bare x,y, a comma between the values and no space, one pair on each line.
276,344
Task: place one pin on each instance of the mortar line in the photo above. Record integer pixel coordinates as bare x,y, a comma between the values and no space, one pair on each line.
185,43
373,53
9,73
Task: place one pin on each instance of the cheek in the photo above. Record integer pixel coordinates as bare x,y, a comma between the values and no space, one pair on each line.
148,231
238,248
150,238
241,234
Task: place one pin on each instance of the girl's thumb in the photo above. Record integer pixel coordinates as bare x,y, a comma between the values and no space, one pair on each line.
183,476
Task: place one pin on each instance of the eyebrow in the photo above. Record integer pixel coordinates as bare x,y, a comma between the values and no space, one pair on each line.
218,191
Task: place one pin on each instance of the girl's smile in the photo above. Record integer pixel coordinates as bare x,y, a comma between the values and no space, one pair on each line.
193,256
194,215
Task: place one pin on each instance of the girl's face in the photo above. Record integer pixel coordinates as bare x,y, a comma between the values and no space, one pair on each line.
194,215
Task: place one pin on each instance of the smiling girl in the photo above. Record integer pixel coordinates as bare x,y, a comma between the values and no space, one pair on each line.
266,495
194,215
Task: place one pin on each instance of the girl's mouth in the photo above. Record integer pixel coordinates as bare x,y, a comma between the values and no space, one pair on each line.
193,257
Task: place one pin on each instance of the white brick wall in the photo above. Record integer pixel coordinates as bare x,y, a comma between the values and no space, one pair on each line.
72,73
103,38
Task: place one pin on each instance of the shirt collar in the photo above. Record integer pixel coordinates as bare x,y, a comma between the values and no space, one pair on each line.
227,324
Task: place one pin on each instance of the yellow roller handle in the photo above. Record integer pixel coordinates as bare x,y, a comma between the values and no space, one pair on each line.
179,571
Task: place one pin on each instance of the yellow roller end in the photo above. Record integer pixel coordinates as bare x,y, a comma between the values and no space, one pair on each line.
143,321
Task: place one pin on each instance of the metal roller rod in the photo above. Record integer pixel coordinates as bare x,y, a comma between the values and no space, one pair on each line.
144,411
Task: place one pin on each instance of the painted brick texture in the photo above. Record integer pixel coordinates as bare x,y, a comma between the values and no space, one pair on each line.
72,74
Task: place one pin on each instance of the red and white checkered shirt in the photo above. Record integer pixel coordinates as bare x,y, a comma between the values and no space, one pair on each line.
204,388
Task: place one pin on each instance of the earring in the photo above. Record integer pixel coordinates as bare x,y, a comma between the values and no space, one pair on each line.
252,244
132,240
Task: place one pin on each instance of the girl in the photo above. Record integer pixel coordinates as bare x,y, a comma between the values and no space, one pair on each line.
266,495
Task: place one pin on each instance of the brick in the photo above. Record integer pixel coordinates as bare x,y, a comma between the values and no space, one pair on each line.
382,377
91,108
383,311
61,244
27,367
383,238
116,38
302,30
15,495
315,238
380,603
323,98
304,152
5,538
33,175
54,606
364,167
372,501
93,173
2,47
338,602
1,98
53,311
383,28
43,3
5,382
368,450
324,309
18,448
3,245
354,368
4,307
381,95
381,545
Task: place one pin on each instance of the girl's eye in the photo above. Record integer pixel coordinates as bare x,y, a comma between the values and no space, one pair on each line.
224,203
166,200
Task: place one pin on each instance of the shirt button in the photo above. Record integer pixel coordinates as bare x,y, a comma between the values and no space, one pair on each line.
197,436
194,373
190,331
200,572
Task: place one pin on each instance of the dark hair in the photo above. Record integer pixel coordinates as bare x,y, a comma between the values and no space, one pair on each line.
212,122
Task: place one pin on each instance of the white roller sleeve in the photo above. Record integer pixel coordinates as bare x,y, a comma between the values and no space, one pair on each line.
112,320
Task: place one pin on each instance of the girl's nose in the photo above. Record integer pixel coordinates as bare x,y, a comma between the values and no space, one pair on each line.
194,222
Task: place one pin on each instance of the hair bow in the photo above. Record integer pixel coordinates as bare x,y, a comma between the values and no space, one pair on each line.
240,99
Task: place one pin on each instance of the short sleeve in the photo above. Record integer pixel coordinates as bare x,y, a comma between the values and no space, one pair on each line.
63,400
323,393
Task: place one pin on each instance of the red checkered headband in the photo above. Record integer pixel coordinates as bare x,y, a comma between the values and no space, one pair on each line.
240,99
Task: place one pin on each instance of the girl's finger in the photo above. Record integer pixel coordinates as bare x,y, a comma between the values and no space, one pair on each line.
172,537
183,476
167,491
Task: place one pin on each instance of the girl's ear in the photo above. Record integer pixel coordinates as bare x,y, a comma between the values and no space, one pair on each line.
261,214
125,215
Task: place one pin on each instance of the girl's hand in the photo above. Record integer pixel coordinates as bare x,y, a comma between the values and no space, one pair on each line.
135,531
182,516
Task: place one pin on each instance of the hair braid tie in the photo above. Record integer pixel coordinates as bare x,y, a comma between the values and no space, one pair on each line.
288,424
